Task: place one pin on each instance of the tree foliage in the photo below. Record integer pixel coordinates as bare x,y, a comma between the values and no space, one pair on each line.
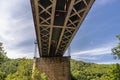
3,56
16,69
23,72
37,76
116,50
115,72
21,69
90,71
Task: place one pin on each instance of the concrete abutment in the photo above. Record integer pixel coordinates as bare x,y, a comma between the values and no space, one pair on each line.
55,68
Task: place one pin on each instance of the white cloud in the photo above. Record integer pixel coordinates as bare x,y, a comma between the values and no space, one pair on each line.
100,54
17,54
109,62
104,49
96,51
16,26
82,57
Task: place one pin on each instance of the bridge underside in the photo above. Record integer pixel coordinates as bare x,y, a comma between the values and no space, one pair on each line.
56,22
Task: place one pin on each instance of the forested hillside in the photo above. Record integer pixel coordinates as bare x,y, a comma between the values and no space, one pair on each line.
90,71
16,69
21,69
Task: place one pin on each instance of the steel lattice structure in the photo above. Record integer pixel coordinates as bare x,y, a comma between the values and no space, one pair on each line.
56,23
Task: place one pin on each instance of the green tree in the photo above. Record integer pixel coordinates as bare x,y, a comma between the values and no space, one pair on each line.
38,76
3,56
9,67
24,70
116,50
43,76
115,72
2,75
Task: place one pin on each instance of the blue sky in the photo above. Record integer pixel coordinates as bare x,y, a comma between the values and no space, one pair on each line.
92,43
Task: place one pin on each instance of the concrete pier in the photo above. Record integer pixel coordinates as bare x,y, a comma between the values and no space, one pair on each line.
55,68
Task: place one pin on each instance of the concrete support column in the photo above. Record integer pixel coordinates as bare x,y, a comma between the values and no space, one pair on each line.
55,68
